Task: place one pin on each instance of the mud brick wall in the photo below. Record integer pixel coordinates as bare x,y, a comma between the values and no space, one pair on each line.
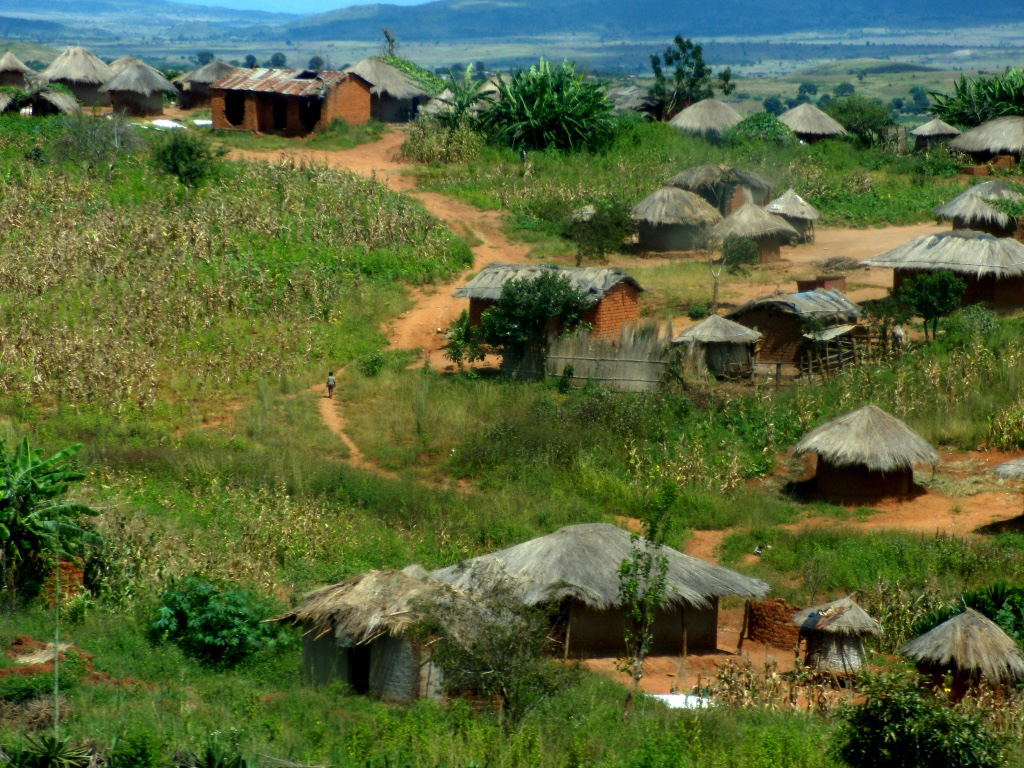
619,307
771,623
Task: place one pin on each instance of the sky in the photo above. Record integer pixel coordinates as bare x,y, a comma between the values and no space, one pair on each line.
294,6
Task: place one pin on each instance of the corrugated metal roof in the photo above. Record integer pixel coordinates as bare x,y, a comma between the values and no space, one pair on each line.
820,302
594,282
287,82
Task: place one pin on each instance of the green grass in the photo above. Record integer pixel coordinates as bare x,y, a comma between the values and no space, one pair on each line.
338,136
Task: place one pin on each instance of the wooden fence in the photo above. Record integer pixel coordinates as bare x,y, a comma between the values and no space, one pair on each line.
638,362
824,359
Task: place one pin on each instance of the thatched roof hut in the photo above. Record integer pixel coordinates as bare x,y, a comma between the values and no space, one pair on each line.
866,452
718,345
633,98
709,117
724,186
970,646
47,101
395,97
797,212
1002,136
577,569
120,65
13,71
972,209
754,223
835,632
7,103
811,124
80,71
672,219
932,133
138,89
194,87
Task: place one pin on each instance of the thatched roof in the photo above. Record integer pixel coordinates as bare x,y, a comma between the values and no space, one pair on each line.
808,120
672,205
837,617
630,98
6,102
716,329
830,306
62,102
386,80
712,176
972,206
138,78
935,129
972,643
752,221
792,206
76,65
1011,470
1004,135
868,437
208,74
962,251
593,282
11,63
119,65
581,562
706,117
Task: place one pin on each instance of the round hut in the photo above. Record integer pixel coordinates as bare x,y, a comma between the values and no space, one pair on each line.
672,219
752,222
725,187
866,453
797,212
117,66
992,267
48,101
969,647
933,133
394,96
194,87
973,209
835,633
718,346
82,72
138,90
13,72
575,571
810,124
707,118
1003,136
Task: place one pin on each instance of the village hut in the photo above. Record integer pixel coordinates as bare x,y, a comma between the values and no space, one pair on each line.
194,88
361,632
973,209
289,101
575,570
866,452
725,187
969,647
612,293
718,346
797,212
395,96
138,90
810,124
784,317
706,118
752,222
8,103
835,633
13,72
1003,136
992,267
82,72
933,133
48,101
673,219
119,65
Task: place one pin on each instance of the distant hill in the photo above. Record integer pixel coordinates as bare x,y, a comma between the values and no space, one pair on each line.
867,66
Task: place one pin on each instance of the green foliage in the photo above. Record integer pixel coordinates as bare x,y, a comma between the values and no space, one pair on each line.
425,79
690,77
864,118
602,231
1012,208
429,142
204,57
968,327
1001,602
95,144
844,89
932,296
463,342
48,751
19,689
217,624
699,311
18,97
808,89
526,308
187,156
136,749
763,126
738,253
980,99
773,105
466,100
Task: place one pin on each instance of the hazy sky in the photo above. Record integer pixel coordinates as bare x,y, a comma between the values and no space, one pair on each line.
295,6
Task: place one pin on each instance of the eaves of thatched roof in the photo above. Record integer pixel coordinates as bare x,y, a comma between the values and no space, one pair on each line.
837,617
712,176
208,74
11,63
868,437
808,120
138,78
672,205
973,206
62,102
935,129
581,562
709,116
792,206
752,221
1004,135
829,306
593,282
962,251
716,329
972,643
6,102
630,98
386,80
76,65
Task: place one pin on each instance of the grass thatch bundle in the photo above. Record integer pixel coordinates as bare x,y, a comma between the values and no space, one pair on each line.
962,251
973,206
972,644
630,98
11,63
138,78
868,437
706,117
581,562
1002,136
716,329
715,176
386,80
752,222
672,205
808,120
792,206
837,617
935,129
76,65
208,74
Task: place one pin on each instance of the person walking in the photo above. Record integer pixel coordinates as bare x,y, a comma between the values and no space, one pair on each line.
331,384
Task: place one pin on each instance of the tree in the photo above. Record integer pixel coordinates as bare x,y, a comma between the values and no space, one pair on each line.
186,156
204,57
316,63
278,60
866,119
844,89
981,99
598,229
736,252
896,104
691,79
251,61
774,105
526,309
919,96
463,341
932,296
390,41
807,89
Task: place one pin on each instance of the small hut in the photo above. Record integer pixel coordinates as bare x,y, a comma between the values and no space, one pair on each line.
194,87
973,209
972,649
835,633
48,101
725,187
932,134
797,212
810,124
706,118
672,219
576,571
866,453
13,71
82,72
138,90
992,267
1002,137
752,222
719,346
395,97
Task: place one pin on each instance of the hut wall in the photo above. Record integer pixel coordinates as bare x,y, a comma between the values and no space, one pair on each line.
136,104
771,622
701,626
987,227
803,226
619,307
323,659
834,652
600,633
88,94
783,335
195,96
390,110
668,237
861,482
394,669
768,249
984,290
477,307
1008,293
349,101
13,79
234,110
724,359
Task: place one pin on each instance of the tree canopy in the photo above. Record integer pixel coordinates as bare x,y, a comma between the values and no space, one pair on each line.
690,79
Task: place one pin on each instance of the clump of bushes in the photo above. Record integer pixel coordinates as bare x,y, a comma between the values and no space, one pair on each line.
429,142
762,126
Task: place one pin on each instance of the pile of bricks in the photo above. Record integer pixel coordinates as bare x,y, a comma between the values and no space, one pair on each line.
771,622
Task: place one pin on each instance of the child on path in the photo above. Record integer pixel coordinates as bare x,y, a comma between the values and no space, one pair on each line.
331,384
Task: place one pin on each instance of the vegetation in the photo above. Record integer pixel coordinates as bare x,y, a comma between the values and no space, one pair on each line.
690,79
598,229
981,99
187,157
763,126
522,315
864,118
932,296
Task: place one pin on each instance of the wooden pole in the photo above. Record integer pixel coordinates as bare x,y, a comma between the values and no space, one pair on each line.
746,624
568,635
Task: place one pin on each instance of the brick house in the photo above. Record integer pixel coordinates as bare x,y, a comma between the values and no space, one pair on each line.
288,101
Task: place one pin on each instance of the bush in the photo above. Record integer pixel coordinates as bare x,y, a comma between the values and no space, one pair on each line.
699,311
136,750
521,315
371,365
864,118
980,99
19,689
186,156
738,252
429,142
604,230
969,326
762,126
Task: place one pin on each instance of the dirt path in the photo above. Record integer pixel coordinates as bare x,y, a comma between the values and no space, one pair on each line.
331,413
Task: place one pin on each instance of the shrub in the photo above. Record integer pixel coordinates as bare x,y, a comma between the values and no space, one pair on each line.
969,326
602,231
980,99
762,126
932,296
738,253
371,365
864,118
47,751
95,144
186,156
136,750
522,314
429,142
699,311
19,689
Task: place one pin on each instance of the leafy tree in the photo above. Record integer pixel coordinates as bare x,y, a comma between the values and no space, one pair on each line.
773,105
865,118
896,104
844,89
691,79
251,61
824,100
526,310
981,99
920,99
278,60
204,57
187,156
463,341
603,230
932,296
807,89
316,63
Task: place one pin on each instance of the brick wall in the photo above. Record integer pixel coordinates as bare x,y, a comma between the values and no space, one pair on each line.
782,338
771,623
348,101
768,249
619,307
